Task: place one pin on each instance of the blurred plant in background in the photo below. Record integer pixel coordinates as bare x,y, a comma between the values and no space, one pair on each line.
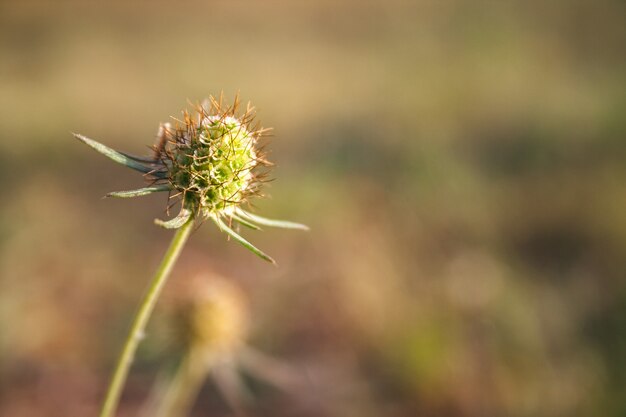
211,325
461,165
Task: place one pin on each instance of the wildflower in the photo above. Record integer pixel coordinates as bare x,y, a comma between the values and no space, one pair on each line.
211,163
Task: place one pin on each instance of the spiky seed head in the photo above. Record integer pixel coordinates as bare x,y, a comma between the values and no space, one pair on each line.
212,158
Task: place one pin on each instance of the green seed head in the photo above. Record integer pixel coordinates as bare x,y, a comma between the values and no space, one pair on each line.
211,159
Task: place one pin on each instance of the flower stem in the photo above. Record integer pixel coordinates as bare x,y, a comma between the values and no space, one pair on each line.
141,319
183,388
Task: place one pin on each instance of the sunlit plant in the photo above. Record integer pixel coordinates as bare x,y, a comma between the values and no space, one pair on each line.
211,163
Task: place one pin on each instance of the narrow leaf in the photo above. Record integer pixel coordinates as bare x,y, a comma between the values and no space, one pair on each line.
224,227
142,159
140,191
269,222
157,171
116,156
178,221
243,221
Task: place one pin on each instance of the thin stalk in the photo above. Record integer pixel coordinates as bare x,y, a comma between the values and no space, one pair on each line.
141,319
183,387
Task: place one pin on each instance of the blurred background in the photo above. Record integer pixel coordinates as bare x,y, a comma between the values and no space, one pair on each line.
462,165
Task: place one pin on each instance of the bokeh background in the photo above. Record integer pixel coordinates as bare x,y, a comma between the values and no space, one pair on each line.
462,165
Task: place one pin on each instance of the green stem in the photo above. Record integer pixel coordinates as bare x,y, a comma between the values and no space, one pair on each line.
183,387
141,319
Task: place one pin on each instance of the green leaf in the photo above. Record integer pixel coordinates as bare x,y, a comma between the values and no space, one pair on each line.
116,156
243,221
140,191
269,222
224,227
142,159
178,221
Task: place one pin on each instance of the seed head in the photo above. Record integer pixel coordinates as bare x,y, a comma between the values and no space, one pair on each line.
211,162
212,159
